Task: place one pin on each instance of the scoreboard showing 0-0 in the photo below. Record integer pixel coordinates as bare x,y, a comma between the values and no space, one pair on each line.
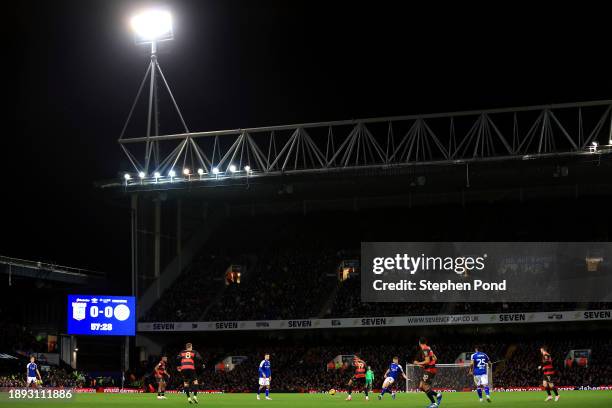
102,315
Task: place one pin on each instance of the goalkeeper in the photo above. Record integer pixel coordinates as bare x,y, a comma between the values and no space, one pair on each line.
369,379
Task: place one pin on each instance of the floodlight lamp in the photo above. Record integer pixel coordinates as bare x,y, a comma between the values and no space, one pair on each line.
247,168
172,173
126,176
157,174
142,174
200,171
595,144
152,26
215,170
186,172
232,168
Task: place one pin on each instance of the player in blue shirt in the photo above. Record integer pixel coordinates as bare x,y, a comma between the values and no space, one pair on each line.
479,367
394,371
265,376
32,373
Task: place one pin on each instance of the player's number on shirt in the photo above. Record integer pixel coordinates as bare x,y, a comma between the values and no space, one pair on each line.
187,355
481,363
94,311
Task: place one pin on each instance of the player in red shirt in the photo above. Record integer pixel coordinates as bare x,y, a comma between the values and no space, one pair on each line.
358,377
161,377
549,374
428,363
188,360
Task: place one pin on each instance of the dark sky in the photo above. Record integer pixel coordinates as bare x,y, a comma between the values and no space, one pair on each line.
74,70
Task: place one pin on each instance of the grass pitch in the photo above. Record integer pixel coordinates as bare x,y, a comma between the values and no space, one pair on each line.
569,399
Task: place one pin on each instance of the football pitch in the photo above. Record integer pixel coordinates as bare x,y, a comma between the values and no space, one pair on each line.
570,399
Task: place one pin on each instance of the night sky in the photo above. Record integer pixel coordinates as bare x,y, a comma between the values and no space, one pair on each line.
73,70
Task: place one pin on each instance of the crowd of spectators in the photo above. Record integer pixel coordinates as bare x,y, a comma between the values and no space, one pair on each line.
518,369
281,285
292,260
192,292
18,337
12,380
53,377
293,284
348,304
59,377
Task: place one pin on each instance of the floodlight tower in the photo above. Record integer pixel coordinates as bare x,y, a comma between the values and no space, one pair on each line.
151,27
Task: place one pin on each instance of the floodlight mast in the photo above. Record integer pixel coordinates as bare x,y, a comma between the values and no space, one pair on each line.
152,110
152,27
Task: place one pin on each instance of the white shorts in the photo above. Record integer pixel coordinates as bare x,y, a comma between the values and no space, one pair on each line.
482,379
264,381
31,380
389,380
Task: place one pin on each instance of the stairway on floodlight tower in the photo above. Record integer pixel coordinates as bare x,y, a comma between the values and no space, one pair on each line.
176,267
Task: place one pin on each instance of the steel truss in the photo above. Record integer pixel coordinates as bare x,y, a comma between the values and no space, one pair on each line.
42,270
446,138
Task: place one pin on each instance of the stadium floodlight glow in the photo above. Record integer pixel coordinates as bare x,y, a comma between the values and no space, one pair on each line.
201,172
172,173
215,170
232,168
156,175
247,168
127,177
186,172
142,174
152,26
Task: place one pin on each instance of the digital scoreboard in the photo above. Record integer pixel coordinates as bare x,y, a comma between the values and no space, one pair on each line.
102,315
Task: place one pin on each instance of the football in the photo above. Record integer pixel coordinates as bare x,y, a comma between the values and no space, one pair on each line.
332,392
